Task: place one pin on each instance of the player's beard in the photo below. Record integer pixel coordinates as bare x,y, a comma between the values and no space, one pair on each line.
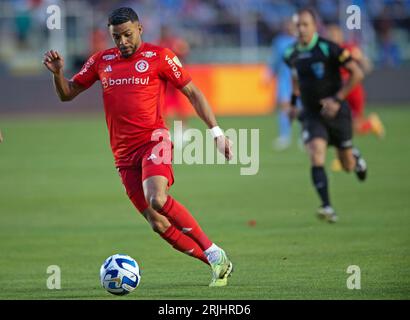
128,51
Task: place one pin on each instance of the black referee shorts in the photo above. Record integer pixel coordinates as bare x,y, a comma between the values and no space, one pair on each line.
337,132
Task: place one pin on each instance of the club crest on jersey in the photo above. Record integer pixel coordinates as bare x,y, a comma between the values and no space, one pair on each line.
149,54
318,69
141,66
305,55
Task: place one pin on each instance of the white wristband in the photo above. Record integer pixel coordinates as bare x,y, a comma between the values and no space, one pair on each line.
216,132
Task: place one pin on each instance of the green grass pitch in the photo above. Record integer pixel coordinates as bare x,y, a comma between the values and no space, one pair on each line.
62,203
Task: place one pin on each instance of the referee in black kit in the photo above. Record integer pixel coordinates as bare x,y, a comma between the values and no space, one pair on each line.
326,117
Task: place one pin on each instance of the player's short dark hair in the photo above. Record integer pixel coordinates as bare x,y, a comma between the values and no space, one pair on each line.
310,11
122,15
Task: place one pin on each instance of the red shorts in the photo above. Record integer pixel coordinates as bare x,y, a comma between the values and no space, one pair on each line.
145,166
356,101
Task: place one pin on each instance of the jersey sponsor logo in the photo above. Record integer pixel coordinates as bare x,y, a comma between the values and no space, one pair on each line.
318,69
173,66
141,66
110,82
149,54
108,69
108,57
104,83
87,66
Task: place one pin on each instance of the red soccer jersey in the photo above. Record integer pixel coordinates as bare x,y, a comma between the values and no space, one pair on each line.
356,54
133,92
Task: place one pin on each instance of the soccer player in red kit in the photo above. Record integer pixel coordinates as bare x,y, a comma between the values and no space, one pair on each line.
357,97
133,76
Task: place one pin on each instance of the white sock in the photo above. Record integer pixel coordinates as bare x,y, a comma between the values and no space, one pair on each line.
212,253
212,248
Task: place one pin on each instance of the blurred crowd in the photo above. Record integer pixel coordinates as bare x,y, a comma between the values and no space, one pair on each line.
208,24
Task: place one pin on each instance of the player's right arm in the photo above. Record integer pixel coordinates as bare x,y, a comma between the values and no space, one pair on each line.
66,89
294,111
204,111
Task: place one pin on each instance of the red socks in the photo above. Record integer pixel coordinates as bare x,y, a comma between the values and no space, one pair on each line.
180,217
183,243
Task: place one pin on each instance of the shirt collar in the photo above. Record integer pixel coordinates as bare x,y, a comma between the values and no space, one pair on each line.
310,45
142,45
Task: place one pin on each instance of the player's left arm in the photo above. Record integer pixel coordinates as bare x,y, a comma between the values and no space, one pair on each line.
356,76
342,58
204,111
171,70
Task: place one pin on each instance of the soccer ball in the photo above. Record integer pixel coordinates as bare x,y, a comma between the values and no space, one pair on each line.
120,274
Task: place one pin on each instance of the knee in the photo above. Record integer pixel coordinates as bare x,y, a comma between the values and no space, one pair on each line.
157,200
158,223
317,158
159,226
317,154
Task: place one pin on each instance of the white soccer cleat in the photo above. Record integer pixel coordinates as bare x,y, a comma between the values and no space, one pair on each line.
221,266
327,213
361,165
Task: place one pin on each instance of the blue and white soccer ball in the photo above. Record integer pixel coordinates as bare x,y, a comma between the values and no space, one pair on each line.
120,274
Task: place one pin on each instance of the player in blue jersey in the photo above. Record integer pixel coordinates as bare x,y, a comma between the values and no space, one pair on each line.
281,71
